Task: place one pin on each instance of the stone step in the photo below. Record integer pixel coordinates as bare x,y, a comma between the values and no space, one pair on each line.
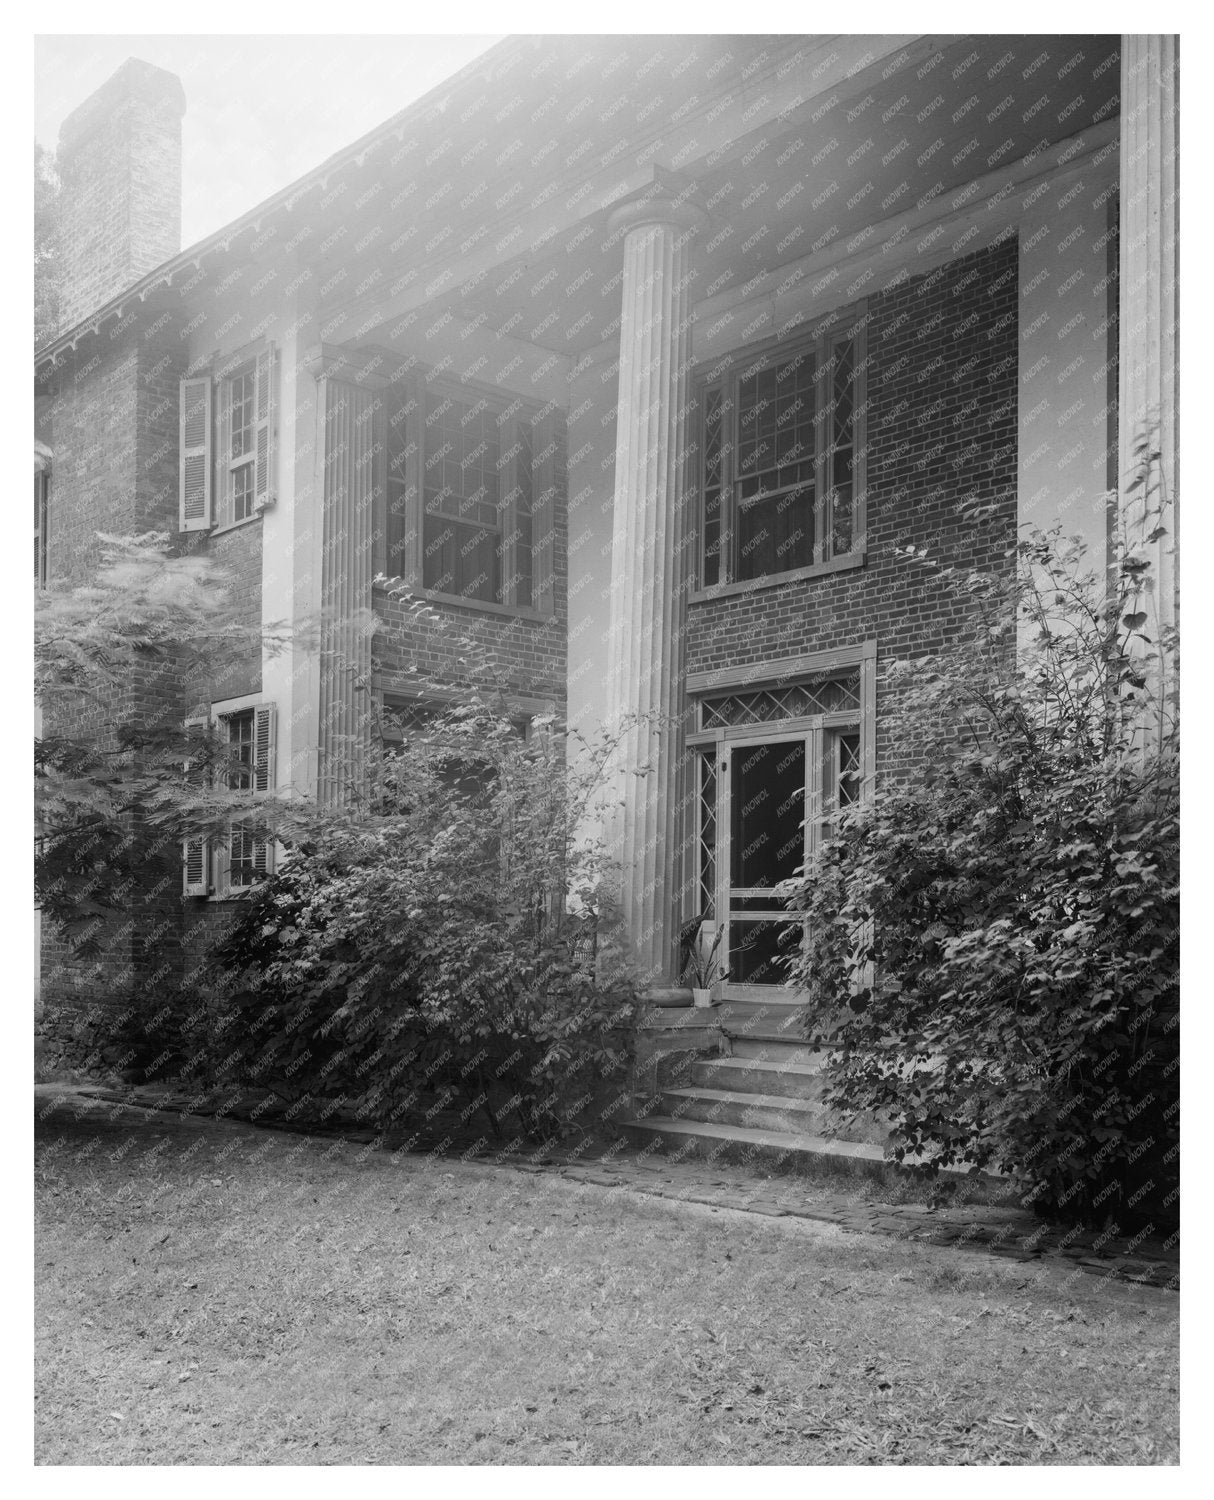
775,1049
760,1112
759,1075
775,1011
726,1142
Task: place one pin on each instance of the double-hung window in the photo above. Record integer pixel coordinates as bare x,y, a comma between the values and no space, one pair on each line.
228,441
236,753
467,462
781,444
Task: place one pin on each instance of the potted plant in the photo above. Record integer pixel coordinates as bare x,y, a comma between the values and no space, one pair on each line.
702,968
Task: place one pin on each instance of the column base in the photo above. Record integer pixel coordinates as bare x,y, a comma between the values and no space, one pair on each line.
671,996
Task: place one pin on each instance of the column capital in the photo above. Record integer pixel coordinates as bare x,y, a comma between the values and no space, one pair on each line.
658,205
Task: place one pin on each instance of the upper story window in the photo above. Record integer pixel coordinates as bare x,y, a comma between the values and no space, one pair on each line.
473,459
228,426
781,447
239,422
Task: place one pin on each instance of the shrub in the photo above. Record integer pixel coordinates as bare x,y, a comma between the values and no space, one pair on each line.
433,948
992,943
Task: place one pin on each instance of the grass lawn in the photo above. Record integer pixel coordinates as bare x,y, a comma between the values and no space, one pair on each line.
209,1293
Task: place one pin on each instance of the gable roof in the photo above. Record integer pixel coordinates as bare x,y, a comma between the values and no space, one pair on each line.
424,110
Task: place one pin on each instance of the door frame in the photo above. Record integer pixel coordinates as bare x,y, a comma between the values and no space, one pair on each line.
812,730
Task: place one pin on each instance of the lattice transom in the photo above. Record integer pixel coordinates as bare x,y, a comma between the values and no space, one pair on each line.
794,700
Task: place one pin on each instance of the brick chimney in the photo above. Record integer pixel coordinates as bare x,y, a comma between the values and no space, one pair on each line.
119,166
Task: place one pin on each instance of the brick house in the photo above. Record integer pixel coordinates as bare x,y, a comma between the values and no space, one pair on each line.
659,364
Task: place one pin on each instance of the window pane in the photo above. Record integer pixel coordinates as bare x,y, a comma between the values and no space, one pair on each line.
708,835
241,415
759,950
776,437
775,533
767,813
524,537
461,559
462,533
400,408
713,455
842,428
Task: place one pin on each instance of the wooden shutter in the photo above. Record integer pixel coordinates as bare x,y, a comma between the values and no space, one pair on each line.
265,482
264,750
196,852
264,747
194,500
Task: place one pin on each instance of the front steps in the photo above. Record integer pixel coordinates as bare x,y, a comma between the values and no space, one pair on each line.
760,1098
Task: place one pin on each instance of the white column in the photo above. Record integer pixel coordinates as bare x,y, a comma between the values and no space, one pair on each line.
345,592
1148,323
649,576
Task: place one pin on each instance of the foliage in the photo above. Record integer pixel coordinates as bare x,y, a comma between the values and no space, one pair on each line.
992,942
113,666
429,949
47,264
702,966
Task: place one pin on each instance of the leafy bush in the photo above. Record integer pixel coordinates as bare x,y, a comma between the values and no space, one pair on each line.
429,950
992,942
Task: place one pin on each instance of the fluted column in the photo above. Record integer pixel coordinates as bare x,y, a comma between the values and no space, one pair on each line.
1148,327
345,591
648,576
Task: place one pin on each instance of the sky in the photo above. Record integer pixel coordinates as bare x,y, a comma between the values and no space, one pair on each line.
260,110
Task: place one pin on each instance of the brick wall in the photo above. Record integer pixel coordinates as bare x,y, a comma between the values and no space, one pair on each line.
942,385
119,161
112,423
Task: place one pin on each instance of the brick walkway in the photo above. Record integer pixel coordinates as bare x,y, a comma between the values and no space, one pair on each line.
1008,1232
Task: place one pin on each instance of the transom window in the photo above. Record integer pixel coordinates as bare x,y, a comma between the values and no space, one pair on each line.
781,443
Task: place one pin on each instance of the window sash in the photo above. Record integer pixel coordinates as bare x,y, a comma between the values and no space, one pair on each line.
460,495
733,489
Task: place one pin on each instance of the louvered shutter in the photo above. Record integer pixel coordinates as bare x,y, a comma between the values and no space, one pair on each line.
265,484
264,752
196,853
194,499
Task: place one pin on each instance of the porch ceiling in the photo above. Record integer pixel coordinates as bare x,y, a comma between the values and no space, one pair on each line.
864,150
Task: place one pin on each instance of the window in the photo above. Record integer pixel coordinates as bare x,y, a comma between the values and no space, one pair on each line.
42,478
228,423
474,463
237,755
781,447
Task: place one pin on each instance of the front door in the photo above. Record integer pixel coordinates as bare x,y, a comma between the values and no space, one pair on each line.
767,791
767,802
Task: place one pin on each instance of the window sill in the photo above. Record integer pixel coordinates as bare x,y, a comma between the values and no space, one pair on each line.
236,525
480,606
777,580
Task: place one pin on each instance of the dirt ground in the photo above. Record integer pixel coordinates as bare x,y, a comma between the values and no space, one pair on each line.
211,1293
